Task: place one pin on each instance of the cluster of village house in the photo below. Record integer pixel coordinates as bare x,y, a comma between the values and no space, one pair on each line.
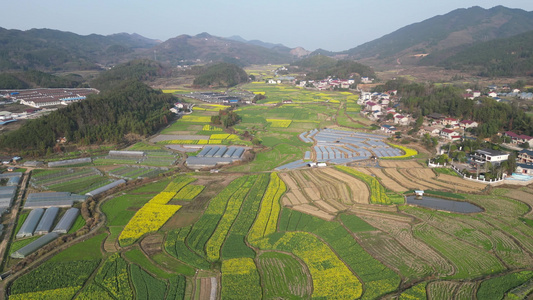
379,105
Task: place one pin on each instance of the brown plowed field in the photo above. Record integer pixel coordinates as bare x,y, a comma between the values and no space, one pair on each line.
404,164
313,211
428,176
387,181
394,174
428,185
360,192
461,182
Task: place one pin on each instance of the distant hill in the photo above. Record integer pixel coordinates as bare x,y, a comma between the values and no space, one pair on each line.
54,50
321,66
34,78
208,48
220,75
139,70
511,56
447,33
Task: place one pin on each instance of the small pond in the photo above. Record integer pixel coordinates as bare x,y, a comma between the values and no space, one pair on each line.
444,204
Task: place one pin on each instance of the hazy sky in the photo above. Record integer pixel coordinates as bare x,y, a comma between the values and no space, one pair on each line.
331,25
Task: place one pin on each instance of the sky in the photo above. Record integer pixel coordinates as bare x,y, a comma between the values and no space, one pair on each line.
311,24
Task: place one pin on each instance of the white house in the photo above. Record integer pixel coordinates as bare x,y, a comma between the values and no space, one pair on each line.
493,94
388,128
450,134
372,106
489,155
476,94
401,120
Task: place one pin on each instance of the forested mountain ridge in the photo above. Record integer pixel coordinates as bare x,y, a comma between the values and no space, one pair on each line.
53,50
509,57
450,31
207,48
131,107
220,75
319,66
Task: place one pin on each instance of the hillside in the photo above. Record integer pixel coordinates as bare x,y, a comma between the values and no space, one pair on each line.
131,107
207,48
220,75
501,57
34,78
54,50
447,32
139,69
319,67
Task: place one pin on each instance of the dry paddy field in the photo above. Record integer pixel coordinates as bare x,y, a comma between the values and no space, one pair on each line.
323,192
401,176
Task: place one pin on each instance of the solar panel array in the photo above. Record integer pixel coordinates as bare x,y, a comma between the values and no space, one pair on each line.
210,156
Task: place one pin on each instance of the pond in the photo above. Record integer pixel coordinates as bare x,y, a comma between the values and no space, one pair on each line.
444,204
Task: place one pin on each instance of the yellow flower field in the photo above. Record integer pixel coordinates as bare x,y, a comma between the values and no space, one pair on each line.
63,293
279,123
153,214
267,219
211,128
196,119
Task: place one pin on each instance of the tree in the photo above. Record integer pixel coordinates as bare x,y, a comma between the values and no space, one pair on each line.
256,141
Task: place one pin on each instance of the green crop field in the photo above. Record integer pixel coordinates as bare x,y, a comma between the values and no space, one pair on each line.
283,276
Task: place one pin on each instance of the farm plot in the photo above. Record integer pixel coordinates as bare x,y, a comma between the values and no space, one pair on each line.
113,277
427,176
175,246
70,180
402,232
520,196
469,261
146,286
389,251
235,246
130,172
233,206
61,279
283,276
323,192
155,213
387,181
377,192
403,164
240,279
203,229
377,278
266,222
358,189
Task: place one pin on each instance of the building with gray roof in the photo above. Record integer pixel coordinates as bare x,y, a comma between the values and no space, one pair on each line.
105,188
30,223
47,221
64,225
35,245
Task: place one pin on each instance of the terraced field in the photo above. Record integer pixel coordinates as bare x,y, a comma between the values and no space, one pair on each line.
323,192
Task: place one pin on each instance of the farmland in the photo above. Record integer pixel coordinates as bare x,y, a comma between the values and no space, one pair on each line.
254,231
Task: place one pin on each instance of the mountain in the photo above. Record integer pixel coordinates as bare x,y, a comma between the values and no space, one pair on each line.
54,50
207,48
447,34
509,57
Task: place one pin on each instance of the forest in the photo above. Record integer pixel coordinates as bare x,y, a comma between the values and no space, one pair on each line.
131,107
502,57
220,75
422,99
320,67
34,78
